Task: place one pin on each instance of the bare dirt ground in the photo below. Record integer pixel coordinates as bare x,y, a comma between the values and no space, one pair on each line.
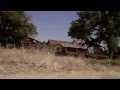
64,75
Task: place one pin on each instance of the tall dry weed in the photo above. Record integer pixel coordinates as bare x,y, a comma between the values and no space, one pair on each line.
44,58
47,60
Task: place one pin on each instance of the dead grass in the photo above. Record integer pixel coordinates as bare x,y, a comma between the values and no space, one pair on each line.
44,59
15,61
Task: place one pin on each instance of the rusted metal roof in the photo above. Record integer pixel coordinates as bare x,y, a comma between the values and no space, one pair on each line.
66,44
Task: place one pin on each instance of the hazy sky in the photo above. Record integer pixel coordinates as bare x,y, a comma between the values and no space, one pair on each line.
52,24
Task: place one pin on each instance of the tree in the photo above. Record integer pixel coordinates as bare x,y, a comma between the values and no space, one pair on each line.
97,28
15,26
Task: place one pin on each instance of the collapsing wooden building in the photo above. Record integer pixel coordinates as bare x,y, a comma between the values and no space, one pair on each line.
98,53
31,42
67,48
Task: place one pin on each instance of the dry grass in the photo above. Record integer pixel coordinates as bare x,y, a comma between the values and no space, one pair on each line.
38,58
15,61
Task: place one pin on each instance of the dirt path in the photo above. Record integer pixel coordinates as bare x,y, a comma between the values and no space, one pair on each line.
63,75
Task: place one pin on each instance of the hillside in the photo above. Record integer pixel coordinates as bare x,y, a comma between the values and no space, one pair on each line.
39,64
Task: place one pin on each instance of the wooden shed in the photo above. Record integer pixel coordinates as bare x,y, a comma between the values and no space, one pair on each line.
65,47
30,42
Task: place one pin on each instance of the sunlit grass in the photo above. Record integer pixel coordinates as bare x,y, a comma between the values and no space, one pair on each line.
27,60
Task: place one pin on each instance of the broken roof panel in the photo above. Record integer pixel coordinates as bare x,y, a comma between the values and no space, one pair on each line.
66,44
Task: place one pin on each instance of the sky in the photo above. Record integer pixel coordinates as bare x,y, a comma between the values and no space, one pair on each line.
52,24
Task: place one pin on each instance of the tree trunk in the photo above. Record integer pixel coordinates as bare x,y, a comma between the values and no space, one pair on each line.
6,43
110,52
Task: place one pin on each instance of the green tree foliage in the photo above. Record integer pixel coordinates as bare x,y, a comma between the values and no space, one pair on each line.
15,26
96,27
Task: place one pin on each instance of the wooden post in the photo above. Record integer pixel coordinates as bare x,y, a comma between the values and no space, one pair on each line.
76,50
66,50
